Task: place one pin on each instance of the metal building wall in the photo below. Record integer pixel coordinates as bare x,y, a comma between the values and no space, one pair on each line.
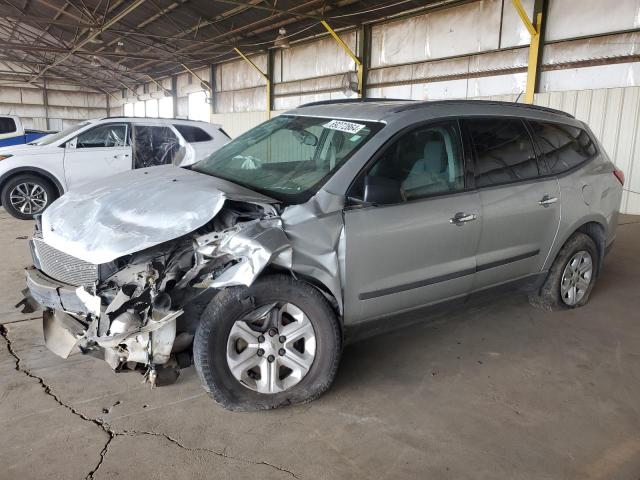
64,105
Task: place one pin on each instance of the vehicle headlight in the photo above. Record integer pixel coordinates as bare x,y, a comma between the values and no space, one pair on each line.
4,157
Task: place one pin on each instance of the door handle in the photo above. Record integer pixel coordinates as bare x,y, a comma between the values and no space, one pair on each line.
547,201
461,218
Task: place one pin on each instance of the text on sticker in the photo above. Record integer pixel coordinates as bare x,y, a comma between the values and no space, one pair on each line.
343,126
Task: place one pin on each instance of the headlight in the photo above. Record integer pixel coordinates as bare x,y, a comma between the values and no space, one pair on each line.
3,157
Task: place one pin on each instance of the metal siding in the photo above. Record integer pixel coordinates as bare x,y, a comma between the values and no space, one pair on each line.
570,18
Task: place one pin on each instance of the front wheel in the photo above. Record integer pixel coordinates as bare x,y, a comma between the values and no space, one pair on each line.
25,195
272,344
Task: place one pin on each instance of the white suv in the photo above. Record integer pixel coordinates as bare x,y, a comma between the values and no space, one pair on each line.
33,175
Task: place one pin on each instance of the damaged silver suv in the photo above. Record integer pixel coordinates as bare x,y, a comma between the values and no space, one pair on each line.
315,228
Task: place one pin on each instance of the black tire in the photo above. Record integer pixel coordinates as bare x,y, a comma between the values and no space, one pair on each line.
210,343
549,296
46,185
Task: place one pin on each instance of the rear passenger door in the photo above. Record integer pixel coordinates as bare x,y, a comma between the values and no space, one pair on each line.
520,207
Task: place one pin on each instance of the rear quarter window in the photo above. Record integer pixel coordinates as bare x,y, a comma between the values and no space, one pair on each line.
562,147
193,134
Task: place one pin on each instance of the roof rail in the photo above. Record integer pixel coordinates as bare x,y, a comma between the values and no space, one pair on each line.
354,100
526,106
151,118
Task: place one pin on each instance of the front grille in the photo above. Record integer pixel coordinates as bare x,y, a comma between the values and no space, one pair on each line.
63,267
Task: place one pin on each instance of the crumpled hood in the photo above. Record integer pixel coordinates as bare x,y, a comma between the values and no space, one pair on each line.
132,211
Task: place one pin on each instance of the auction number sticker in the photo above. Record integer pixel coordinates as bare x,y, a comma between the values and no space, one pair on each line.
343,126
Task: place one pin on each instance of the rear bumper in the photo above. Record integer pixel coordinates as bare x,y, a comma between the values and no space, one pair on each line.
45,292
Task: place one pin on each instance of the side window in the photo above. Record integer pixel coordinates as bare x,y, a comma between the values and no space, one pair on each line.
156,145
7,125
193,134
504,152
562,146
103,136
423,162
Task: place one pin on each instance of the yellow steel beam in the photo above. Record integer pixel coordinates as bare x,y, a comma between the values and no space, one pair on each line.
345,47
524,17
204,83
263,75
158,84
135,94
112,96
534,49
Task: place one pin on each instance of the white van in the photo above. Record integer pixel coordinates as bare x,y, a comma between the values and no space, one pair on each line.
34,174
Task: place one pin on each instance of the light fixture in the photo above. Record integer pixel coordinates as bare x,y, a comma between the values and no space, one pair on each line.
281,40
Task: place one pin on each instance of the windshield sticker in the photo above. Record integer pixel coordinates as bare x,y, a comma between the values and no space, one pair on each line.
343,126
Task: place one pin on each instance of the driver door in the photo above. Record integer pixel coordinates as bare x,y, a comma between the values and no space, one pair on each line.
97,153
418,248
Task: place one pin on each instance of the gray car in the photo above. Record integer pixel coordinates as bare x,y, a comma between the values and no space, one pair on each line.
320,226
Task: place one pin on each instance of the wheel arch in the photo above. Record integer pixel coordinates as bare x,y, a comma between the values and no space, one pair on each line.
315,283
592,226
39,172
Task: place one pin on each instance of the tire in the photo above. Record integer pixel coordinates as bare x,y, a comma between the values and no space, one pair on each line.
550,296
214,336
46,194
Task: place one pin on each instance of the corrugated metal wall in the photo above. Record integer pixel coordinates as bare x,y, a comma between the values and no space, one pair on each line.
614,115
66,105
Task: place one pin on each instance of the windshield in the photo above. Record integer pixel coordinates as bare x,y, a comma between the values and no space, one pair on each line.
54,137
288,157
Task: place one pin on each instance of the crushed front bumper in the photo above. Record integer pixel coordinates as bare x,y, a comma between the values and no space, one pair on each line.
49,293
62,331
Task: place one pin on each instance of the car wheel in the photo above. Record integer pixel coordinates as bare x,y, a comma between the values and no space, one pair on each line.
571,277
272,344
25,195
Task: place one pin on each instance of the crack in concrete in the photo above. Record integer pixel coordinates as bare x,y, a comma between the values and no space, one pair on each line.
207,450
112,434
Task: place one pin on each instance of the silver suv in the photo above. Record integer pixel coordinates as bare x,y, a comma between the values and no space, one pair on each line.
315,228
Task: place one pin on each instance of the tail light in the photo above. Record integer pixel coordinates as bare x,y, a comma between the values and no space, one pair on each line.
619,175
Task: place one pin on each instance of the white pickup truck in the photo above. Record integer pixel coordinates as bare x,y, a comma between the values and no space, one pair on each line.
12,132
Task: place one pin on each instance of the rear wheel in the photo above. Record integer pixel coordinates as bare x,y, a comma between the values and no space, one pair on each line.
25,195
272,344
571,277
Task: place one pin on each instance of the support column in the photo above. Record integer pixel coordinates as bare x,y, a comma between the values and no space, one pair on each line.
212,82
264,75
174,89
364,52
45,99
536,30
345,47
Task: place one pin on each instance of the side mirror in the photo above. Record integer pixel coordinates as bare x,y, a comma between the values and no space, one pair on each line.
382,191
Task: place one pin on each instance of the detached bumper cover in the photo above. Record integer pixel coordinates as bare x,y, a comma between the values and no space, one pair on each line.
50,293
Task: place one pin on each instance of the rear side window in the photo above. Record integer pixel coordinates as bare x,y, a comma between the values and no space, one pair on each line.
193,134
562,146
7,125
504,152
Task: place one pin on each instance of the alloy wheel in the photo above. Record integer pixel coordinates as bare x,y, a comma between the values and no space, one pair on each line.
28,198
272,348
576,278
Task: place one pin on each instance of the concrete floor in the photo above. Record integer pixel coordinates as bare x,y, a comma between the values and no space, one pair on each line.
499,391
